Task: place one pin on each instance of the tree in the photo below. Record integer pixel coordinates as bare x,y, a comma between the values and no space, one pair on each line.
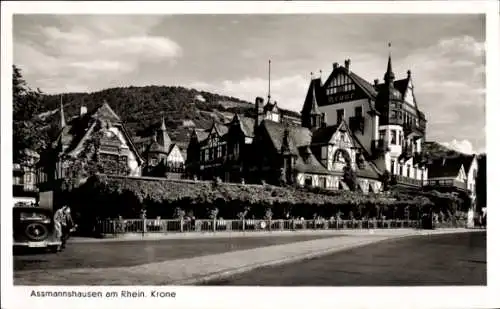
26,104
386,180
242,215
350,177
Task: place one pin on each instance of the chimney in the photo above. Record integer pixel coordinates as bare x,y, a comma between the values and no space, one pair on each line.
83,110
335,65
347,64
409,73
259,102
375,81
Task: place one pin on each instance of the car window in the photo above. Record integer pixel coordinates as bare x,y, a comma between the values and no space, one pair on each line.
32,215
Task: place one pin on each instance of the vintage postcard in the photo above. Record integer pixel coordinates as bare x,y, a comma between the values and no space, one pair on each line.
251,154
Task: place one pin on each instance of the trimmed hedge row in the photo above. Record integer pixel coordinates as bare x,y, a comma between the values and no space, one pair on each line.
110,196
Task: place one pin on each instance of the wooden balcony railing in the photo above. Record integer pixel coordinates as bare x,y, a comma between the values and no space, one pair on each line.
447,183
407,181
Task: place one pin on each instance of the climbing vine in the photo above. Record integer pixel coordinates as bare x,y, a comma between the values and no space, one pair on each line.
90,161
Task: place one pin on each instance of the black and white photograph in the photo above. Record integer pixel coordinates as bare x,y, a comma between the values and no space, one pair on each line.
306,147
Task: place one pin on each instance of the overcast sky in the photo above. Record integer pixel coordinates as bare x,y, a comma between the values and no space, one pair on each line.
228,54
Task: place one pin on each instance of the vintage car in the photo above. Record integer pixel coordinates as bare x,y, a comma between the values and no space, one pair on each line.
34,228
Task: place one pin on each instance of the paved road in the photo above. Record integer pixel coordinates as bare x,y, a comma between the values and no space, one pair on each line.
129,253
452,259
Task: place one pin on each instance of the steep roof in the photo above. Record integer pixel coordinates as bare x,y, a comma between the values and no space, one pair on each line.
307,162
446,167
299,136
79,128
369,171
323,135
365,86
315,93
246,124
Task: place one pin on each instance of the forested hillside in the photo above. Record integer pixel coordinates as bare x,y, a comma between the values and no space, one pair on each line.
140,108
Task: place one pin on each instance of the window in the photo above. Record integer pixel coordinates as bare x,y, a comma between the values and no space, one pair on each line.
206,154
340,115
324,153
381,134
223,150
400,138
342,136
322,182
358,111
308,181
154,161
393,167
401,170
393,137
219,151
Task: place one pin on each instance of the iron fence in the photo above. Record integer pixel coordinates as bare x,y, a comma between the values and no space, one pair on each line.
122,226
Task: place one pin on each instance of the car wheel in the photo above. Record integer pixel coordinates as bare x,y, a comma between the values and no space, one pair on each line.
36,231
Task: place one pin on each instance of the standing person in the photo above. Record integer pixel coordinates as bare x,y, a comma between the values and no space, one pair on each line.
63,224
58,221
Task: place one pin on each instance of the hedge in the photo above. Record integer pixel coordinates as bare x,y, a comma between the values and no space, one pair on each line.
111,196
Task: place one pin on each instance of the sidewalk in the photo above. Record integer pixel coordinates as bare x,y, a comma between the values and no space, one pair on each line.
206,268
223,234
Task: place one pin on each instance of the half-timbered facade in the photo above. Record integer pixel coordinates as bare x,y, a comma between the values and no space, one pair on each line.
112,144
163,156
383,118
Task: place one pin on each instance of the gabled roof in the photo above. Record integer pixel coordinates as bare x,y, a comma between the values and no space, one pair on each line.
105,112
79,128
360,82
369,171
199,134
445,167
363,84
246,124
307,162
323,135
299,136
219,128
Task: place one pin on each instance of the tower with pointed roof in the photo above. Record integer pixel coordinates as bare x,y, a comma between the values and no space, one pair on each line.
163,137
62,122
383,117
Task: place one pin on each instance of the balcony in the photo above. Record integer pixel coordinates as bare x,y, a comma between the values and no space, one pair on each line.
357,123
396,121
407,181
446,183
409,128
380,146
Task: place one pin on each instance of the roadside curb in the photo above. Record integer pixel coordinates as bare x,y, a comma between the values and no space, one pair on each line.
303,257
297,258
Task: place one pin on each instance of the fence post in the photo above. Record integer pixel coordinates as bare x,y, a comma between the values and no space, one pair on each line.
181,220
144,227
